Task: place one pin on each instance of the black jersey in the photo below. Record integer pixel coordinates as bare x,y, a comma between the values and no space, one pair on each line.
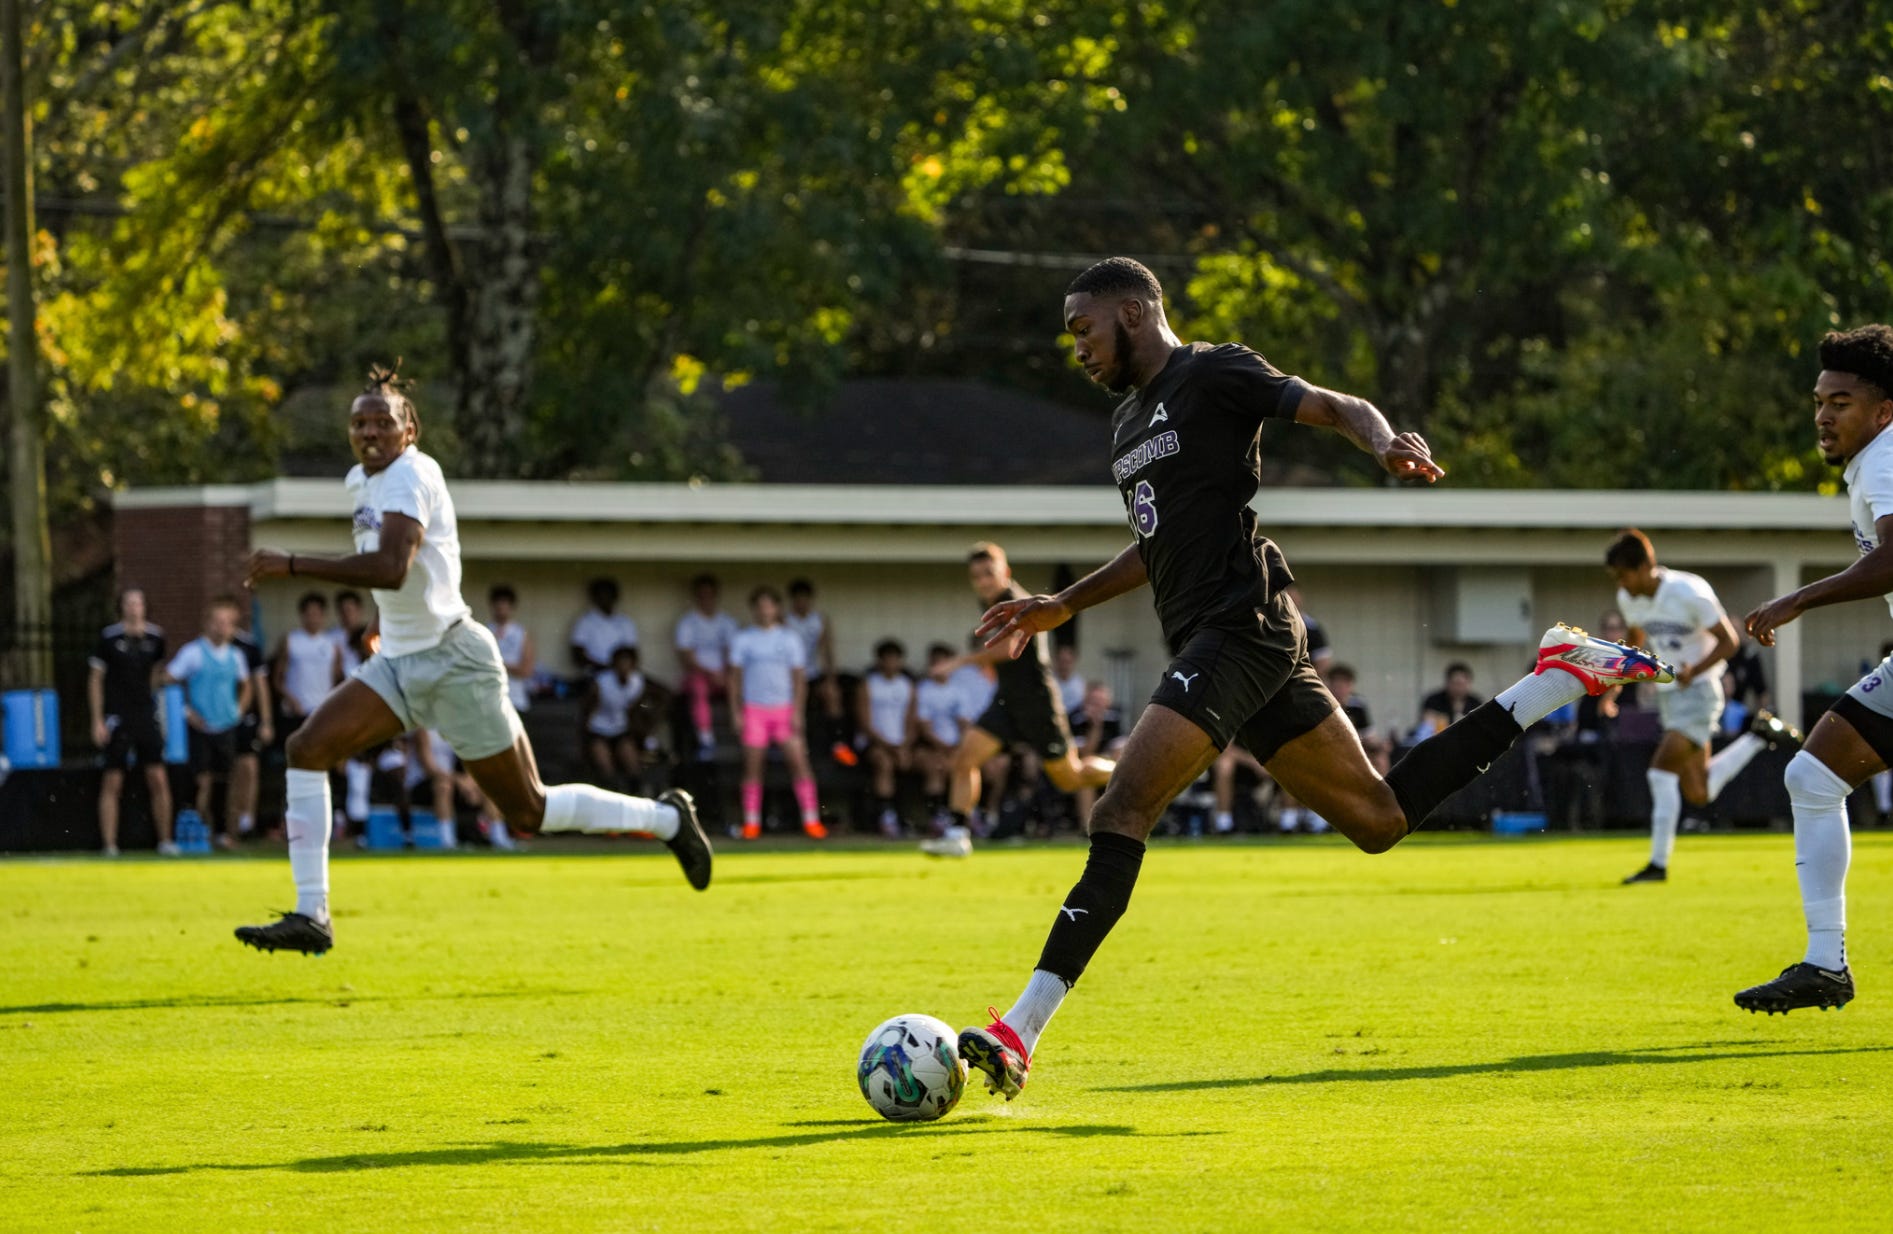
1186,455
128,660
1028,679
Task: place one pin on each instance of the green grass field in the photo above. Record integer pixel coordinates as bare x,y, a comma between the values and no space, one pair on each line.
1461,1035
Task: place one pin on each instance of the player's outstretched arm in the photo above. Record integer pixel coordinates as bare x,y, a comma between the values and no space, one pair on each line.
1010,624
1867,578
383,568
1405,455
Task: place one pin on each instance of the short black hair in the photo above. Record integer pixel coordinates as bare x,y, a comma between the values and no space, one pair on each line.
347,595
312,597
502,591
801,587
764,589
625,649
1864,351
1629,550
605,589
1347,671
124,591
704,580
986,550
1117,275
889,646
388,385
941,650
1459,666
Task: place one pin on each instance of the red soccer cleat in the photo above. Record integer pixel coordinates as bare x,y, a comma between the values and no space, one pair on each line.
1599,663
996,1051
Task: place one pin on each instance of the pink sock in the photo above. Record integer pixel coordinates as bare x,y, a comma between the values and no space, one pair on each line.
699,687
752,803
805,797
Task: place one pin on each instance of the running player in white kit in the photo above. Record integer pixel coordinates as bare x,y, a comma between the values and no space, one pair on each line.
436,668
1676,615
768,679
1853,407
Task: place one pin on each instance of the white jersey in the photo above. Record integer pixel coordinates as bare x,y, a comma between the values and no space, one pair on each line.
1678,621
428,604
1869,477
350,659
511,637
1072,690
809,629
309,667
768,658
599,634
974,688
888,700
937,705
707,638
615,700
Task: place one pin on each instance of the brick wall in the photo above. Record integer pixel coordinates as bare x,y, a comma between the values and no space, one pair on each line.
182,556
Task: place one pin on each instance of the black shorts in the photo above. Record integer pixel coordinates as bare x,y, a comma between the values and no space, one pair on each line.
1252,683
213,753
133,743
1037,723
249,735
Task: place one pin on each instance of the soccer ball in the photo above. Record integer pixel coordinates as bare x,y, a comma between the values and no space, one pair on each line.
911,1069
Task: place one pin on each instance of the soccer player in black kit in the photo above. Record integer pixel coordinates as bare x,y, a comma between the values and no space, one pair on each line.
1186,457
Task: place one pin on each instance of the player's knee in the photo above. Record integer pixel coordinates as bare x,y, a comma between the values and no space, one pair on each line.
1811,782
305,753
1373,827
523,812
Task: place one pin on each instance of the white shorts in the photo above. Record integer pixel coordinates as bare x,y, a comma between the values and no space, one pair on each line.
1875,690
1692,710
457,687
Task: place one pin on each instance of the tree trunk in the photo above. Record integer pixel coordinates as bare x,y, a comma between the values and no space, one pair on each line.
26,452
503,296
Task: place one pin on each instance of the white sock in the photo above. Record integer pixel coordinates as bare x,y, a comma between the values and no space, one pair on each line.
1883,792
1531,699
1033,1011
583,807
1290,819
1224,822
1822,847
246,823
359,776
1666,810
1728,764
306,814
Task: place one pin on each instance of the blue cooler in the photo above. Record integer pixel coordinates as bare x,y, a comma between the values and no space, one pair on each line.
1517,822
32,729
384,829
191,833
427,830
177,728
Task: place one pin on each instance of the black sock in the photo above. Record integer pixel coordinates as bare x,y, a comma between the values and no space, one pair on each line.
1451,759
958,817
1093,906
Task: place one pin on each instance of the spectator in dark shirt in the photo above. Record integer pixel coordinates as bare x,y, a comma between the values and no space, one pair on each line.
125,668
1450,703
1341,678
1320,650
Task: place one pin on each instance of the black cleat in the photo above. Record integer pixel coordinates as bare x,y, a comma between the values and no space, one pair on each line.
289,932
1649,874
690,844
1774,730
1800,985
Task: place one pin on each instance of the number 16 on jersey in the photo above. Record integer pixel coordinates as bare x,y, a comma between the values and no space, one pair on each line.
1142,504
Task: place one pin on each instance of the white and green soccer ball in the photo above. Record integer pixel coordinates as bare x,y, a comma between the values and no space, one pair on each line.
911,1069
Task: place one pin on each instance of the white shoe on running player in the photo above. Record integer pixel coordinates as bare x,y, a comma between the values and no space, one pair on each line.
1599,663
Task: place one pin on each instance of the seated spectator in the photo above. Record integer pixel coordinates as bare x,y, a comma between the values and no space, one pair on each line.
937,712
515,642
1340,679
1097,726
610,747
601,630
824,709
886,701
217,690
768,678
126,665
1320,650
703,647
1070,683
1449,704
1233,759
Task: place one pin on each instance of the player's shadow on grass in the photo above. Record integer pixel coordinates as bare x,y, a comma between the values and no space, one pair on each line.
1707,1052
503,1152
204,1001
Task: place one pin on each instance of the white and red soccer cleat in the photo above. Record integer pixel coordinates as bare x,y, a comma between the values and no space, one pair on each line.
1599,663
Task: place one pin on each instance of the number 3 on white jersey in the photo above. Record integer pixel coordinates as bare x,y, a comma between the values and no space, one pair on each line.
1142,507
